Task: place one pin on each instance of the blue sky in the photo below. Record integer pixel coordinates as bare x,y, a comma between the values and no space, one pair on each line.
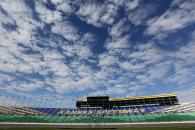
77,48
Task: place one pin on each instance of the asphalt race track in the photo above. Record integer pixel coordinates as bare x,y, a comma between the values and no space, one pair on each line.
187,125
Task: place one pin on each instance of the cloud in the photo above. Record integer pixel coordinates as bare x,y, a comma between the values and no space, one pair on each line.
186,95
142,13
44,51
63,6
146,65
178,16
46,15
118,29
110,13
20,16
185,58
130,67
91,18
131,4
118,43
67,30
28,86
103,14
39,59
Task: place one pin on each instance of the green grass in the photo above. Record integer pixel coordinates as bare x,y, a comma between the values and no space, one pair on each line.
99,119
145,128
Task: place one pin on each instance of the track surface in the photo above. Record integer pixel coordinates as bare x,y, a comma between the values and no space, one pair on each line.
145,128
98,125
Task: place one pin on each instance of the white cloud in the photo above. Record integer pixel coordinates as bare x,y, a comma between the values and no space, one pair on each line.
63,84
182,75
141,14
118,89
106,60
92,18
118,43
186,95
103,14
118,29
68,64
173,19
67,30
186,53
63,5
47,15
21,54
154,73
131,67
131,4
145,66
110,13
20,15
14,84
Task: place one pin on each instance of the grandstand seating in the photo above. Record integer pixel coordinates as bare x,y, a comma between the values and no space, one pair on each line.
22,109
123,114
119,111
99,111
19,111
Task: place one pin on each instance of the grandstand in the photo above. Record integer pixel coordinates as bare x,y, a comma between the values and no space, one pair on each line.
100,109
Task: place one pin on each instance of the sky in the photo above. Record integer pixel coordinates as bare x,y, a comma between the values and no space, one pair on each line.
77,48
